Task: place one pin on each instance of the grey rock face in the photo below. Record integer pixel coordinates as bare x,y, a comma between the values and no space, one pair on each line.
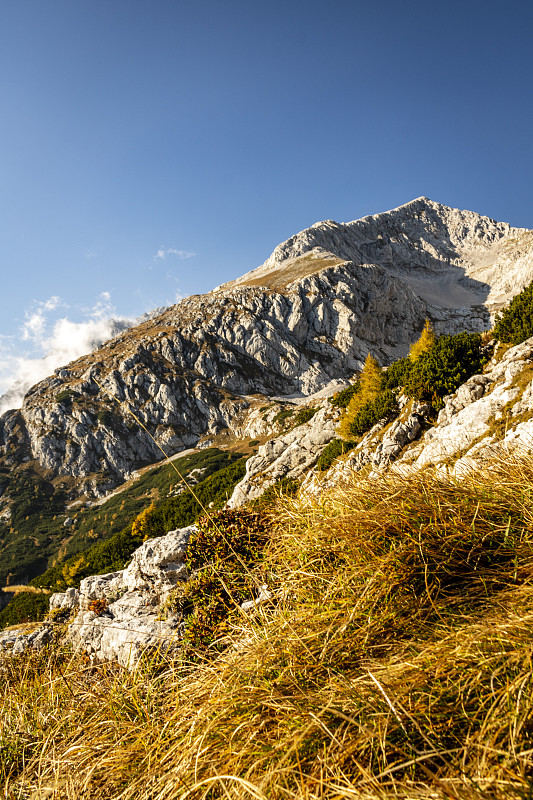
308,316
64,602
399,434
287,456
120,614
158,564
14,642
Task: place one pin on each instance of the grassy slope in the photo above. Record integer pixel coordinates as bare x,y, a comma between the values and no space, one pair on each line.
394,662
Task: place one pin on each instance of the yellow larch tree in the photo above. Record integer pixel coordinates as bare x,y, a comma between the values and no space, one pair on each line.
424,343
369,388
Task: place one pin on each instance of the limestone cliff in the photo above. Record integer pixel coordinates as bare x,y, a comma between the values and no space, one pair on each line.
308,316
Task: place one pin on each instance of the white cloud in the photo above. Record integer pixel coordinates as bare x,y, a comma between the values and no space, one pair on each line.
163,252
35,321
54,342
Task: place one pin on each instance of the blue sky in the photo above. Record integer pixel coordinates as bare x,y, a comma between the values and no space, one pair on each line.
151,149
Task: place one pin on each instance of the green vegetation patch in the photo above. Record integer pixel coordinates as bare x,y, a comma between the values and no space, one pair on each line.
342,398
304,415
515,323
104,520
222,558
24,607
444,367
65,397
34,532
154,520
283,415
336,448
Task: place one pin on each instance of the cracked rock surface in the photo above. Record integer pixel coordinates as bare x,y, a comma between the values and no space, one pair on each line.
121,615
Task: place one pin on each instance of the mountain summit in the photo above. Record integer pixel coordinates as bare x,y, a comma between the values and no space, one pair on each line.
450,258
303,320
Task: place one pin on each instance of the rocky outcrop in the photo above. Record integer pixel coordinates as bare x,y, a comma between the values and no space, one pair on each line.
125,615
16,641
62,604
288,456
490,414
121,615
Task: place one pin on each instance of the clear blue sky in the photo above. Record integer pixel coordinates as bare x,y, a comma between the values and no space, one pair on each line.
210,131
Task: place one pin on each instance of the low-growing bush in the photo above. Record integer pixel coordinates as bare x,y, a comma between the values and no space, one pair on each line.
24,607
65,396
105,417
283,415
304,415
384,406
515,323
222,559
342,398
397,374
444,367
336,448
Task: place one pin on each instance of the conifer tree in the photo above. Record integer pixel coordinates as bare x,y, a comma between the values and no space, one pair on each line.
370,382
424,343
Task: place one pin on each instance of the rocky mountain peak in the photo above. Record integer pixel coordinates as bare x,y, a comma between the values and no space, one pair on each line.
305,318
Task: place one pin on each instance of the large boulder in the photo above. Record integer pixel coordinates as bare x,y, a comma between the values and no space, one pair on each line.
121,615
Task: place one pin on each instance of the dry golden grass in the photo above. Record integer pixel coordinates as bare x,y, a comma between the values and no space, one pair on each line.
395,662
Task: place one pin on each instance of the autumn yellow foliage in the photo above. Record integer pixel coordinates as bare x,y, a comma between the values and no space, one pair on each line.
139,523
424,343
369,387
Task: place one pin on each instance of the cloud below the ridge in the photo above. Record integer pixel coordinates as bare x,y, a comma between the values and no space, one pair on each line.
46,343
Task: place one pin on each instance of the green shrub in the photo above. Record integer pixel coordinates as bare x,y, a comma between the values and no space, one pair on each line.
24,607
515,323
65,396
396,375
304,415
383,406
105,417
283,415
336,448
220,557
342,398
444,367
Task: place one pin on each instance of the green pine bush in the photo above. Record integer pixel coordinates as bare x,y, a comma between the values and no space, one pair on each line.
384,406
444,367
336,448
515,323
24,607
